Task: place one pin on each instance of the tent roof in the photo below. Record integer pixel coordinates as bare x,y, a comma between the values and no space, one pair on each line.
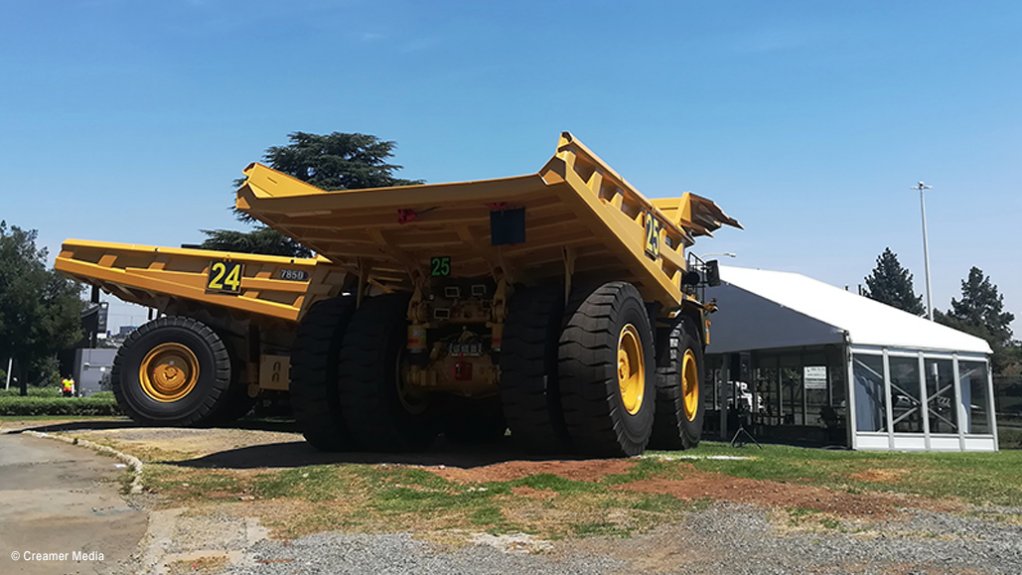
782,309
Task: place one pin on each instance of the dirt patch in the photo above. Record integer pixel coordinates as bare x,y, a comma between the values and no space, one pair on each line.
880,475
533,493
702,485
578,470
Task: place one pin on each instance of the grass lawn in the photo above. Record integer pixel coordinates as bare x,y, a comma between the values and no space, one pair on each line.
978,478
352,496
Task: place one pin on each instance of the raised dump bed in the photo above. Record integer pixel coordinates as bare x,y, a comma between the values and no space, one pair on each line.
225,329
558,304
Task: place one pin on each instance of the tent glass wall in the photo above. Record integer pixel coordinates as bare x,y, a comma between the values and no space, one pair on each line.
975,397
870,396
929,404
787,395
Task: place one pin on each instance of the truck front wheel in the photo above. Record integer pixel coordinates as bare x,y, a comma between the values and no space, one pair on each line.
173,371
607,372
678,423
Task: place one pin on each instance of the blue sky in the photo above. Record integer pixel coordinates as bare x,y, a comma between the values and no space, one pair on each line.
809,121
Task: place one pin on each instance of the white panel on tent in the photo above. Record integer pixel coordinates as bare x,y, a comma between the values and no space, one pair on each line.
761,309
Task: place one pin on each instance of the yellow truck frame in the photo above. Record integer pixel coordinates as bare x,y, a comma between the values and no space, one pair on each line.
559,304
244,307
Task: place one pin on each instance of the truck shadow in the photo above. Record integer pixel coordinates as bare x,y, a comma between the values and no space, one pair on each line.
300,454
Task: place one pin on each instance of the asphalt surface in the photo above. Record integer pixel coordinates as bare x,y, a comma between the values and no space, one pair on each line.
62,499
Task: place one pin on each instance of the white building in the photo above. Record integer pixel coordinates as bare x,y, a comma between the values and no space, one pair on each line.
804,347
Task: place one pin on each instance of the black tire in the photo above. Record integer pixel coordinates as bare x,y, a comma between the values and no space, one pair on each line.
313,394
474,421
199,404
373,408
528,369
237,404
595,412
673,428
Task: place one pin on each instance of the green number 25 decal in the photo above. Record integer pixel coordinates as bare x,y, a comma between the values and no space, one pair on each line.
653,228
440,267
224,277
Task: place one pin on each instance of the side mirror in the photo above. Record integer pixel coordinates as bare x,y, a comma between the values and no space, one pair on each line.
712,271
691,278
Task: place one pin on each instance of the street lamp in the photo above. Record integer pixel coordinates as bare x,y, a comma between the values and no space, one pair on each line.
725,254
922,187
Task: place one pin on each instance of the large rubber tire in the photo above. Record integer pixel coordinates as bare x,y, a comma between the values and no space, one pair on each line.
528,369
674,427
371,402
598,419
236,404
474,421
313,394
212,368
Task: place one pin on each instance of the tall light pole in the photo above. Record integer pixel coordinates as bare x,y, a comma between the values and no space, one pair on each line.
922,187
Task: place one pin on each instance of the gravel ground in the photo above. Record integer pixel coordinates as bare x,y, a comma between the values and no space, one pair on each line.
723,539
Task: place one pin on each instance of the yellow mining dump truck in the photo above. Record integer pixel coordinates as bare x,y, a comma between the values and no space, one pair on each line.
224,338
557,304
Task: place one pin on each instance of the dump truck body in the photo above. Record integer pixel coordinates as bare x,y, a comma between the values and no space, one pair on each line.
167,279
579,214
486,277
250,302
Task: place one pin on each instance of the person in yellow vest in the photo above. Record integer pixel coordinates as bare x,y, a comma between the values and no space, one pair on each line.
68,386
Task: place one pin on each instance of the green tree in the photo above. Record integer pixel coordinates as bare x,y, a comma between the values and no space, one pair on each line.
890,283
40,310
262,240
980,312
336,161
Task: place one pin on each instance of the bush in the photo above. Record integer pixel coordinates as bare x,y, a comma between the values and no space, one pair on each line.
21,406
33,391
1009,437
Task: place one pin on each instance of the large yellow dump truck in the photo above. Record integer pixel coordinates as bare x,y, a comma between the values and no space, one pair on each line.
226,327
559,304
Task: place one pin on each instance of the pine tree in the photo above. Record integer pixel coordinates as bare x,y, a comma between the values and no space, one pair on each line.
890,283
980,312
336,161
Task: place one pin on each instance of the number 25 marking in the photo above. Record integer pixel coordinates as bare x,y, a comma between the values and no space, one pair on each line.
440,267
653,228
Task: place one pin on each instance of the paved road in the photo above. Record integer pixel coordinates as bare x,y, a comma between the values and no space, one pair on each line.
57,498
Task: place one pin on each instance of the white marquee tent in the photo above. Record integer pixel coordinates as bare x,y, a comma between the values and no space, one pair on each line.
932,382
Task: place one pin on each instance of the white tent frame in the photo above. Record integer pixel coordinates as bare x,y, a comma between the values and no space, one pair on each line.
891,440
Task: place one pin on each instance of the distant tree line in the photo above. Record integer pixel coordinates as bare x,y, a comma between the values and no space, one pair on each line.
40,309
980,310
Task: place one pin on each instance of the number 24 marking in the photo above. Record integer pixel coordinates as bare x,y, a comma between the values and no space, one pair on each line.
225,277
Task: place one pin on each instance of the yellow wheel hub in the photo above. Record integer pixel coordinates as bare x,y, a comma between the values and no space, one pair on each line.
690,384
169,372
631,369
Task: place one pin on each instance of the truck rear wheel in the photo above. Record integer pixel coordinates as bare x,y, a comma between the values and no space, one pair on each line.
528,369
678,423
173,371
381,413
607,372
313,393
